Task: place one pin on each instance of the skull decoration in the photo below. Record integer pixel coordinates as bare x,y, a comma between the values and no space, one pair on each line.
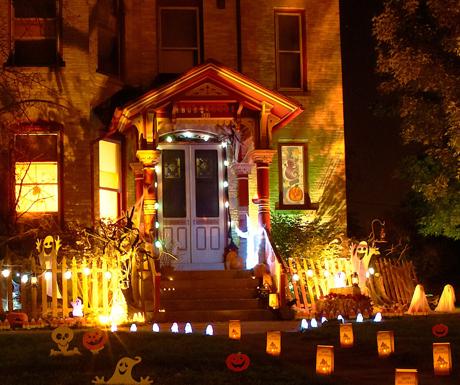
47,250
62,336
362,250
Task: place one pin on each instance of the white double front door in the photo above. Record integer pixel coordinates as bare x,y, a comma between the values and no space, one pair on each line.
192,211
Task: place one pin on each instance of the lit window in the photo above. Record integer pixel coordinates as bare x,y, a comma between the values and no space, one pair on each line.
35,33
179,39
36,173
109,180
289,50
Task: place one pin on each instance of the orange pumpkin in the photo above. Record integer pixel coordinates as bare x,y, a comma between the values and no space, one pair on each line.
295,193
237,362
94,340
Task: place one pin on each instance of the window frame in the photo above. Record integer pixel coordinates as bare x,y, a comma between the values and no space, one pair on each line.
120,189
300,13
58,161
181,5
43,34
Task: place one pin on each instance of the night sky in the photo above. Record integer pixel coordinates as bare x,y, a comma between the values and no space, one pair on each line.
373,146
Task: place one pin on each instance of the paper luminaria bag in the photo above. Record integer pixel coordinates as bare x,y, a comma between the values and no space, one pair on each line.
406,377
346,335
274,343
442,359
325,359
385,343
234,330
273,301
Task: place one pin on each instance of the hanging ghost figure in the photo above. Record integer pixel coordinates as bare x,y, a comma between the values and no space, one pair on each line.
361,259
123,375
47,251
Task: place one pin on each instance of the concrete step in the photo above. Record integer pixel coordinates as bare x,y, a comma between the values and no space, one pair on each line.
211,304
215,283
209,274
215,315
210,293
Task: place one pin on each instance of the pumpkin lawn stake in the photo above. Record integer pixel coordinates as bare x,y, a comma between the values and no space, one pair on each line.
237,362
274,343
122,374
346,335
62,336
447,301
385,343
406,377
440,330
324,359
442,359
234,330
95,340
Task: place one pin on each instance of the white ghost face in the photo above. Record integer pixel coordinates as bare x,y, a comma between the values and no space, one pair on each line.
62,335
362,249
48,245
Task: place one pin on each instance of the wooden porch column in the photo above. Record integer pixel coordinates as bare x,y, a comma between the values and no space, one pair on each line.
262,158
138,171
242,170
149,159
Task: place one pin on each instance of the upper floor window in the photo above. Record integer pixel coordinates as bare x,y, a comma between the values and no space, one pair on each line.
109,34
35,33
179,37
109,179
290,51
36,173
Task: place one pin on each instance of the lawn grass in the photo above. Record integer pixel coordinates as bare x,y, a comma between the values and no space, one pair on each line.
200,360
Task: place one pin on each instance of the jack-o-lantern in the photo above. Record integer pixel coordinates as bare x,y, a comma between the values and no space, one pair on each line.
94,340
440,330
295,193
237,362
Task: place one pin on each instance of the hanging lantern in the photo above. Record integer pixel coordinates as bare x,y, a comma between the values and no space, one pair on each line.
406,377
273,300
274,343
346,335
442,359
324,359
385,343
234,330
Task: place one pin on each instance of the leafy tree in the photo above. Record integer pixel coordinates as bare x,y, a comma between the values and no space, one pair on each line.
418,56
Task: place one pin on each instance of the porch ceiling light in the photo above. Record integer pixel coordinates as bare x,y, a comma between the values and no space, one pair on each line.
24,278
188,134
206,138
169,139
225,184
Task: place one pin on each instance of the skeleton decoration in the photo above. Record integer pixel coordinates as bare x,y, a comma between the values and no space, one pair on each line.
62,335
47,250
123,375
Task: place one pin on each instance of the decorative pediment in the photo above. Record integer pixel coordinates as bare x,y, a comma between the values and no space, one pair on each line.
207,89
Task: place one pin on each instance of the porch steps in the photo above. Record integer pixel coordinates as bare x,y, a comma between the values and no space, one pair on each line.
202,296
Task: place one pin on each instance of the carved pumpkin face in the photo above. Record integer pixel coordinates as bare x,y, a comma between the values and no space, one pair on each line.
295,194
440,330
94,339
237,362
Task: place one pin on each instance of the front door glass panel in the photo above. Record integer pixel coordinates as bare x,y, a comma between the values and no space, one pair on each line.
174,184
206,184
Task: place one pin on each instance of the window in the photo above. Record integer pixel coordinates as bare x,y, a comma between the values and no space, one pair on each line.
290,50
109,35
179,38
36,173
109,179
35,33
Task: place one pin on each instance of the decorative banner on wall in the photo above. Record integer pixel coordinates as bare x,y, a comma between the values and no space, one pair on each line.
385,343
442,359
292,170
324,359
406,377
346,335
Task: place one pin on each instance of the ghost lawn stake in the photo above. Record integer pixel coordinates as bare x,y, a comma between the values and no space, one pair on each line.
62,335
122,374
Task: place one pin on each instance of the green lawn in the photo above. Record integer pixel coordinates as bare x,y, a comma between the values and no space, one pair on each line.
200,360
